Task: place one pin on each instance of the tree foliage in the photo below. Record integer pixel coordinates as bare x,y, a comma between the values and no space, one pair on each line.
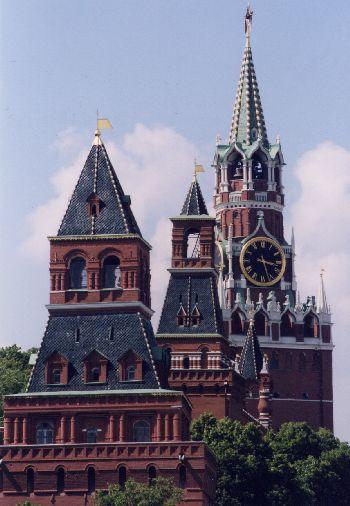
163,492
296,465
14,371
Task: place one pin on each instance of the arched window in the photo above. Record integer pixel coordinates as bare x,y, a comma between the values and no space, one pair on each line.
288,361
287,325
111,274
186,363
274,363
56,376
142,431
30,480
310,325
260,322
259,166
44,433
193,244
91,435
91,478
235,166
95,374
122,476
237,323
60,480
130,373
302,362
182,476
77,273
152,475
204,358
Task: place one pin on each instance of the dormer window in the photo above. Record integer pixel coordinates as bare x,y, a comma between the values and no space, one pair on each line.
181,316
195,315
77,273
95,368
95,205
111,273
130,367
56,369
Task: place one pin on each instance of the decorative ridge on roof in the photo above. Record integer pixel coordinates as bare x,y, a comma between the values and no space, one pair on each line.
251,360
98,204
194,204
248,124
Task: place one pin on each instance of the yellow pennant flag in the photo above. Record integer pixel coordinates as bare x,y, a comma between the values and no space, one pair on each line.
103,123
198,168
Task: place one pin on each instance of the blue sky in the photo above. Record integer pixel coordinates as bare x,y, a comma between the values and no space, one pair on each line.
170,65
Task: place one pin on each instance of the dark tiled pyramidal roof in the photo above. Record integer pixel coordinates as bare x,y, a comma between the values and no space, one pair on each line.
251,360
98,178
130,332
194,203
190,291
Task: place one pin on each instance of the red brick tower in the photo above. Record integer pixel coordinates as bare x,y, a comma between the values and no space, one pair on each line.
191,324
256,264
97,408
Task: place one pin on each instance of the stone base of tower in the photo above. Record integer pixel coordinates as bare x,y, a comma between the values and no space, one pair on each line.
106,460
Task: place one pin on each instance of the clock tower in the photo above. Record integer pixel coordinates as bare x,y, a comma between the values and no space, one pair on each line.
255,264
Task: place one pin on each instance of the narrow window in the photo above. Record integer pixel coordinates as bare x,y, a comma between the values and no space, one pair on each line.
186,363
237,323
95,374
77,273
111,274
56,376
30,480
122,476
193,244
142,431
77,336
44,433
111,333
204,358
130,373
60,481
91,480
287,328
182,477
91,435
152,475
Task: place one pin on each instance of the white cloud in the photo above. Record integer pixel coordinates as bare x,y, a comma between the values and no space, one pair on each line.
321,217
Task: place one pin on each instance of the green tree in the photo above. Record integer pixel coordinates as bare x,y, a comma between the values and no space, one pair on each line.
295,465
163,492
14,371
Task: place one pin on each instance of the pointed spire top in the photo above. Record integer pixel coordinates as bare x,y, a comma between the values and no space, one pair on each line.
248,124
322,306
194,203
251,361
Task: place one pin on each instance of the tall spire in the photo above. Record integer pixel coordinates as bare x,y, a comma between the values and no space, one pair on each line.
194,203
248,124
322,306
251,361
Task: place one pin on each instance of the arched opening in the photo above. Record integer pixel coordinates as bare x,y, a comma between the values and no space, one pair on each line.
122,476
186,363
287,322
95,374
260,323
30,480
91,435
60,480
182,476
235,166
44,433
111,273
302,362
288,365
130,373
56,376
259,166
77,273
91,478
142,431
152,475
277,177
274,362
192,243
204,358
310,325
237,323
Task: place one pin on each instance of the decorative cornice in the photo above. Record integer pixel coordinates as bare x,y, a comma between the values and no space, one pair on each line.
137,306
191,217
98,237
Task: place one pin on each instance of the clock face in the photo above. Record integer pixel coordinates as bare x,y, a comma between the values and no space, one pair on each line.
262,261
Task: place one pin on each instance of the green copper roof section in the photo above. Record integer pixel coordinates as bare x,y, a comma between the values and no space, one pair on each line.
248,124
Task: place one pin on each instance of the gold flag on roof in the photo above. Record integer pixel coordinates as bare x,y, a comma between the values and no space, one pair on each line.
103,123
198,168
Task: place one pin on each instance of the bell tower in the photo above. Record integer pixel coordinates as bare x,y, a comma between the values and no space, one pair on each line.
256,273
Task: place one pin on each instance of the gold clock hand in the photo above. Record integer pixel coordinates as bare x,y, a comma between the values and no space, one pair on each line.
263,261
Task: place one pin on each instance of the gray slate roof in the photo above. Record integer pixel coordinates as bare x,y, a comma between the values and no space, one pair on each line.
251,361
183,289
130,332
194,203
98,177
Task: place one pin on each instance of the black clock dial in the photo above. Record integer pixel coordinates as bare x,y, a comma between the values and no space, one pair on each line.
262,261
